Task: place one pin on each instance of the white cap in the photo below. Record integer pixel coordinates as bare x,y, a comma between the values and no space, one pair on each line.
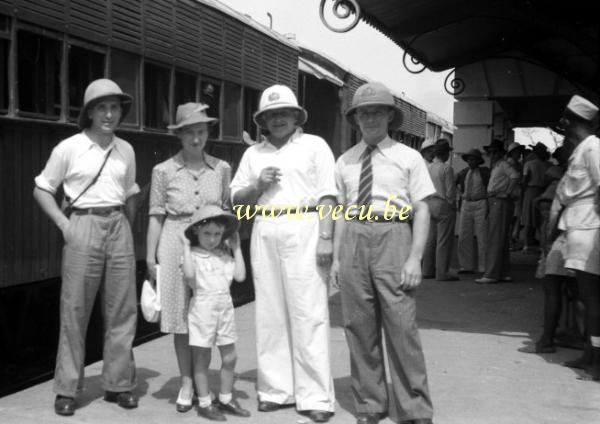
582,107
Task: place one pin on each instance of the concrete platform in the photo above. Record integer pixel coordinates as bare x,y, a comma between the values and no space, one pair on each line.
470,334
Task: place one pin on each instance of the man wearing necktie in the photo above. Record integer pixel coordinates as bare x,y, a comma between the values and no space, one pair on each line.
473,180
377,261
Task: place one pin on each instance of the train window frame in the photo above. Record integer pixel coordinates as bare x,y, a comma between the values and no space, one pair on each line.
132,120
80,44
60,39
176,101
248,112
216,132
234,116
169,71
5,63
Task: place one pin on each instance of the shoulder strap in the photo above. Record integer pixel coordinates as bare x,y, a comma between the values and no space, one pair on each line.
72,202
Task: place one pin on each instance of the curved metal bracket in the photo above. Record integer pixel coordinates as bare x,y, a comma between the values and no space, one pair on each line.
453,86
342,9
414,62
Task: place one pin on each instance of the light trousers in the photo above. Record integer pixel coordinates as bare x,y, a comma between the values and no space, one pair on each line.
292,316
472,224
98,256
438,248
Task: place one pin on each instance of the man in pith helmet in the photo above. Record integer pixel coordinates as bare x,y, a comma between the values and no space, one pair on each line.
97,171
377,261
289,256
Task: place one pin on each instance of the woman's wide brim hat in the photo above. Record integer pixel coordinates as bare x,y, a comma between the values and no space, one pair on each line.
474,153
210,212
374,94
190,114
278,97
97,91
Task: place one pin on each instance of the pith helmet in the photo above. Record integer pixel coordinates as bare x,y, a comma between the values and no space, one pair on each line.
278,97
98,90
189,114
374,94
427,144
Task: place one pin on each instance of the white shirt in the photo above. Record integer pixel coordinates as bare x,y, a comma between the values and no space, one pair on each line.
306,163
398,170
213,272
442,176
75,161
578,188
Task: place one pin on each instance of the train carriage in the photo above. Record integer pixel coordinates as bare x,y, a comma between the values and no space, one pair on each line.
162,52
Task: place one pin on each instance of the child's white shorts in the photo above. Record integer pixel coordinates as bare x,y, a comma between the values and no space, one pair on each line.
211,320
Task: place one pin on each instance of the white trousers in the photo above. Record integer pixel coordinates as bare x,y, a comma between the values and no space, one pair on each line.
472,223
292,316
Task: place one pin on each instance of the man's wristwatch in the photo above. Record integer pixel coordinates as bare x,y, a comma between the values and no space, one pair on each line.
325,236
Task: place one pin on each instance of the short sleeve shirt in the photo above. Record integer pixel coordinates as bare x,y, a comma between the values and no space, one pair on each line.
75,162
178,190
500,176
399,175
578,188
306,163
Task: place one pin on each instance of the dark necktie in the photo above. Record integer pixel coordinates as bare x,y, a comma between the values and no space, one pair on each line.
365,184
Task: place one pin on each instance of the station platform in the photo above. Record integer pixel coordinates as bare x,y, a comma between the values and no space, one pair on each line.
470,336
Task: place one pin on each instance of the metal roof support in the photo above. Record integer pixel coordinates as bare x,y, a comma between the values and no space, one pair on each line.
342,9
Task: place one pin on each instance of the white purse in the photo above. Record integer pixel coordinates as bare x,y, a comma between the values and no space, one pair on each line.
150,299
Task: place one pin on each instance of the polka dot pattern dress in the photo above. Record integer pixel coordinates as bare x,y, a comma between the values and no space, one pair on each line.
178,193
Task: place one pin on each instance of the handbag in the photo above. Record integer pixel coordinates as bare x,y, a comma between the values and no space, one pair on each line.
150,299
67,204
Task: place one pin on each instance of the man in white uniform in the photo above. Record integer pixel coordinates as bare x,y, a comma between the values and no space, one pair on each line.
576,207
288,256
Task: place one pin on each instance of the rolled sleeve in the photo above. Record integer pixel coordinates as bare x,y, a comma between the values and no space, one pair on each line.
420,184
325,173
158,193
242,177
54,172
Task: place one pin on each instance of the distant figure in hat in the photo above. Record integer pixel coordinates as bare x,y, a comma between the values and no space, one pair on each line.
377,262
208,268
503,180
442,208
576,211
289,256
533,186
97,171
428,150
180,187
473,181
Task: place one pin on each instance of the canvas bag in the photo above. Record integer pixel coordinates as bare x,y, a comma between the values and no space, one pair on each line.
150,299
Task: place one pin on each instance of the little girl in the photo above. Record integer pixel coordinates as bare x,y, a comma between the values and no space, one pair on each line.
209,269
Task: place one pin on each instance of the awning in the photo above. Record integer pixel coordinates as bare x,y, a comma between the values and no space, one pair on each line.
318,71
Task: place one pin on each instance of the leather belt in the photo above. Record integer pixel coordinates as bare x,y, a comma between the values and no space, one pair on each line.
100,210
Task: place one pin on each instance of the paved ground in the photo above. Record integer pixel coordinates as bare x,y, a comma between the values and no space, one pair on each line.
470,334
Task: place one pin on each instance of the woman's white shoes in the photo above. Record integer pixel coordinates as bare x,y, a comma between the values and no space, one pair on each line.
184,404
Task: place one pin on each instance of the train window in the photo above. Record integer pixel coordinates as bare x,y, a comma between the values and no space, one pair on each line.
38,73
232,99
4,47
125,71
251,97
185,88
84,66
210,94
156,96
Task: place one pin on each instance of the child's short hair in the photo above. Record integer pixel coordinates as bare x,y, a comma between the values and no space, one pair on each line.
221,221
